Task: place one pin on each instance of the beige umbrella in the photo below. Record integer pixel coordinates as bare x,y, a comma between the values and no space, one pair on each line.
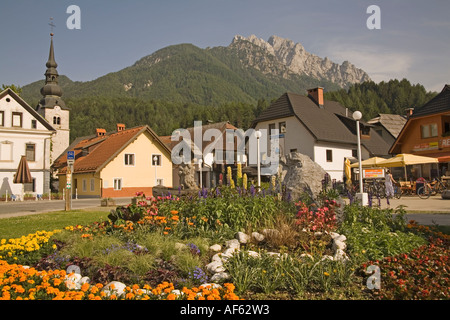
406,159
23,174
368,163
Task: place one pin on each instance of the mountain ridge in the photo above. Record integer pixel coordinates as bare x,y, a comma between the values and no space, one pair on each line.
246,70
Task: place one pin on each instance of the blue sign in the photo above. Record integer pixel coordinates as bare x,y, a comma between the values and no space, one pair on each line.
70,155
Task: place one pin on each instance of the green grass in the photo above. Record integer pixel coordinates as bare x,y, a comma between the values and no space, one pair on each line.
16,227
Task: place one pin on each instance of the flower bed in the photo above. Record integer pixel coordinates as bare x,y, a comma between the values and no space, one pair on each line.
160,247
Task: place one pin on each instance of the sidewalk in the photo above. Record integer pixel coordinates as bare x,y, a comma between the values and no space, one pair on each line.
413,204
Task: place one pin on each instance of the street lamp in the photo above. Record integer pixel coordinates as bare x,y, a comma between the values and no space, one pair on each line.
200,161
361,196
155,163
258,135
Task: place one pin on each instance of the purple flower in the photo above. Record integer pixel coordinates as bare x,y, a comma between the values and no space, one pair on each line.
252,190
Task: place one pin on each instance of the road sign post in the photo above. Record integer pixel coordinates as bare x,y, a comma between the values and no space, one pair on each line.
68,189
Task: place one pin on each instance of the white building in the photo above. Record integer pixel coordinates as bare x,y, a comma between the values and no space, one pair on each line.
323,130
23,132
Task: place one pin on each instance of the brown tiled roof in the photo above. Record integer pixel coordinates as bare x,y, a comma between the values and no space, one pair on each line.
322,123
330,123
440,103
393,123
93,153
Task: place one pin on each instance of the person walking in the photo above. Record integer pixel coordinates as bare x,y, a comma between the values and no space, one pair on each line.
388,180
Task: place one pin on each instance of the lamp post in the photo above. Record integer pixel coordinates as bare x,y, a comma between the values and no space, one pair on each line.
361,196
155,162
200,161
258,135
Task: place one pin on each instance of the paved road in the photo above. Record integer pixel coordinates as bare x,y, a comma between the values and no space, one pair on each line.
21,208
424,211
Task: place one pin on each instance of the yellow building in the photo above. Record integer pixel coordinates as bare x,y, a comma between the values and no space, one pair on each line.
117,164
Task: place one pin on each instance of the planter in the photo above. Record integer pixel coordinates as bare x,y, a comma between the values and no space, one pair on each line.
107,202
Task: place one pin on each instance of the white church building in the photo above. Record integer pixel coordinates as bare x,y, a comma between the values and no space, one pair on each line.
41,134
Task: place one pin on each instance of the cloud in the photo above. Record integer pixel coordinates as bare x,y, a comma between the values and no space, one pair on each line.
381,64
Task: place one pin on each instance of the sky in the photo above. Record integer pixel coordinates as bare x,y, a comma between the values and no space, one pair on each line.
412,42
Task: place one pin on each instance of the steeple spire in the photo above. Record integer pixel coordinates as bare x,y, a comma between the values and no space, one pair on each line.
51,91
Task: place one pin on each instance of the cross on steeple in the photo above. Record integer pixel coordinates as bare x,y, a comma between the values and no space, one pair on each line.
52,25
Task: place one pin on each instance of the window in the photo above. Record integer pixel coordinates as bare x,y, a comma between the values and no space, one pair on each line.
30,151
429,130
33,124
2,118
282,127
92,184
118,184
329,155
355,153
17,119
84,186
156,160
56,120
293,150
6,148
129,159
160,182
271,128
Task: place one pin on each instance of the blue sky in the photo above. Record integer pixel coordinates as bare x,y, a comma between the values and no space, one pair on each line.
413,41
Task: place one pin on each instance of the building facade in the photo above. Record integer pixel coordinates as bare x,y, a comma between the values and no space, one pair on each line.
23,132
427,133
320,129
117,164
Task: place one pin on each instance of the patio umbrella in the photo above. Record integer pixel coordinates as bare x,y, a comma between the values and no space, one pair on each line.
368,163
23,174
406,159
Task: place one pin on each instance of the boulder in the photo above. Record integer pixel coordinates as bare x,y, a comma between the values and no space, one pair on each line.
338,244
215,247
242,237
235,244
301,175
220,276
257,237
215,267
115,287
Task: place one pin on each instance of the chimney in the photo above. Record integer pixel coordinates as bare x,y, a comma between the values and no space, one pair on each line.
100,132
409,112
317,95
120,127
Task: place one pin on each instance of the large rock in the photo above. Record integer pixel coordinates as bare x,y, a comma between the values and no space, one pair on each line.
300,174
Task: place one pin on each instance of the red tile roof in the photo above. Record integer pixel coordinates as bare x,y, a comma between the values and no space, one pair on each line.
95,152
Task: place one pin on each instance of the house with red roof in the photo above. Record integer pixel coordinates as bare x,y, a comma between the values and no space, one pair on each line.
116,164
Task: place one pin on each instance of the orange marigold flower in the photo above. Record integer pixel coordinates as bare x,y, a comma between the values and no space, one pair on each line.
171,296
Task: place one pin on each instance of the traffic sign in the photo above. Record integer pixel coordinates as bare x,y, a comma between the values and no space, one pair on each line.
70,155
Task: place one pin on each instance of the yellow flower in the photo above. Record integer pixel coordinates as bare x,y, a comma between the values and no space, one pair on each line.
326,274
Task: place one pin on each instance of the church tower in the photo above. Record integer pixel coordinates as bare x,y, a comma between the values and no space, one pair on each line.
53,108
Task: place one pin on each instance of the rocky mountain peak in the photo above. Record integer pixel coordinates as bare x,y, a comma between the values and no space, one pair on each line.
297,60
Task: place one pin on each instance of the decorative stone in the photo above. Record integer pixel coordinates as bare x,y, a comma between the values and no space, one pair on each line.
215,247
85,280
242,237
119,288
216,257
215,267
180,246
301,175
258,237
334,235
228,253
337,244
341,237
253,254
220,276
233,244
340,255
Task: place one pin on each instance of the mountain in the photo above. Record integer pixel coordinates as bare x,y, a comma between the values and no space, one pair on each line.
292,58
247,70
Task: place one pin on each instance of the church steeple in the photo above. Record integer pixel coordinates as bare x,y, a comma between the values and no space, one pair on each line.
51,91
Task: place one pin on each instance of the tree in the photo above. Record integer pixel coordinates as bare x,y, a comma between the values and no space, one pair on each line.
13,87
